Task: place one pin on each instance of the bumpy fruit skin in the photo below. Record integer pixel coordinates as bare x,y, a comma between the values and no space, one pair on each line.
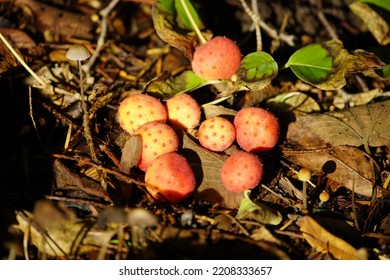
217,59
183,111
170,178
139,109
257,130
216,134
157,139
242,171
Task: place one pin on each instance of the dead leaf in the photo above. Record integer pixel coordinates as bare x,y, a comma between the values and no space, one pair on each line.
257,211
54,229
66,181
57,22
345,63
323,241
207,167
367,125
375,23
131,153
211,110
348,166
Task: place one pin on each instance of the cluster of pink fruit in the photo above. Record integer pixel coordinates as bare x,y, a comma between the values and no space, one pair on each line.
168,175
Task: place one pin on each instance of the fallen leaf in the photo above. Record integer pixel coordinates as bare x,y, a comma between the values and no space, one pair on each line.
257,211
168,86
326,65
293,101
377,25
131,153
366,125
57,22
207,168
54,229
173,29
323,241
348,166
211,110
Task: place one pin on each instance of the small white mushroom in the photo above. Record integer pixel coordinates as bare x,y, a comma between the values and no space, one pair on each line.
78,53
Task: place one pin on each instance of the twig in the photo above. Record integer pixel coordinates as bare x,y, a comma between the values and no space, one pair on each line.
323,19
289,39
21,61
259,43
102,37
32,116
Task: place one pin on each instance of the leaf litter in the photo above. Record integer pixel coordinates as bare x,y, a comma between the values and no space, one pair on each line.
102,210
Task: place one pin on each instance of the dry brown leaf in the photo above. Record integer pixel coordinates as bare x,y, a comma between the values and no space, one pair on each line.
367,125
54,229
348,166
207,167
377,25
57,22
131,153
323,241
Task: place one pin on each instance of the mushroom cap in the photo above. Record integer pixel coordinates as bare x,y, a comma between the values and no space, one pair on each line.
78,52
304,174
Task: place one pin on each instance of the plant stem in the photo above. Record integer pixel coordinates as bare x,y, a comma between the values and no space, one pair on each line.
202,39
87,131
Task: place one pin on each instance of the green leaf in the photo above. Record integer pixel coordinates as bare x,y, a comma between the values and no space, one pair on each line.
258,211
182,18
172,25
384,4
256,71
168,86
326,65
311,64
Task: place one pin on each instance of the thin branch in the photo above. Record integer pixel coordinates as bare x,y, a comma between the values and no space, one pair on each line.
102,37
21,61
288,39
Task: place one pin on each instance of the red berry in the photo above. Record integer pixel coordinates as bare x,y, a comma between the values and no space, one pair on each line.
139,109
242,171
216,134
184,111
157,139
219,58
257,130
170,178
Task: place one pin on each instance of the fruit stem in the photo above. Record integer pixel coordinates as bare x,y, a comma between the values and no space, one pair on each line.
202,39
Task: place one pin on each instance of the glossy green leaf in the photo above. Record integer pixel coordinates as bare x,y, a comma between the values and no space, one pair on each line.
256,71
325,65
168,86
384,4
311,64
172,25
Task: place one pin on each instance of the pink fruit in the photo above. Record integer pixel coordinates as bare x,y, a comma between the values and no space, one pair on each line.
216,134
157,139
170,178
219,58
184,111
257,130
139,109
242,171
